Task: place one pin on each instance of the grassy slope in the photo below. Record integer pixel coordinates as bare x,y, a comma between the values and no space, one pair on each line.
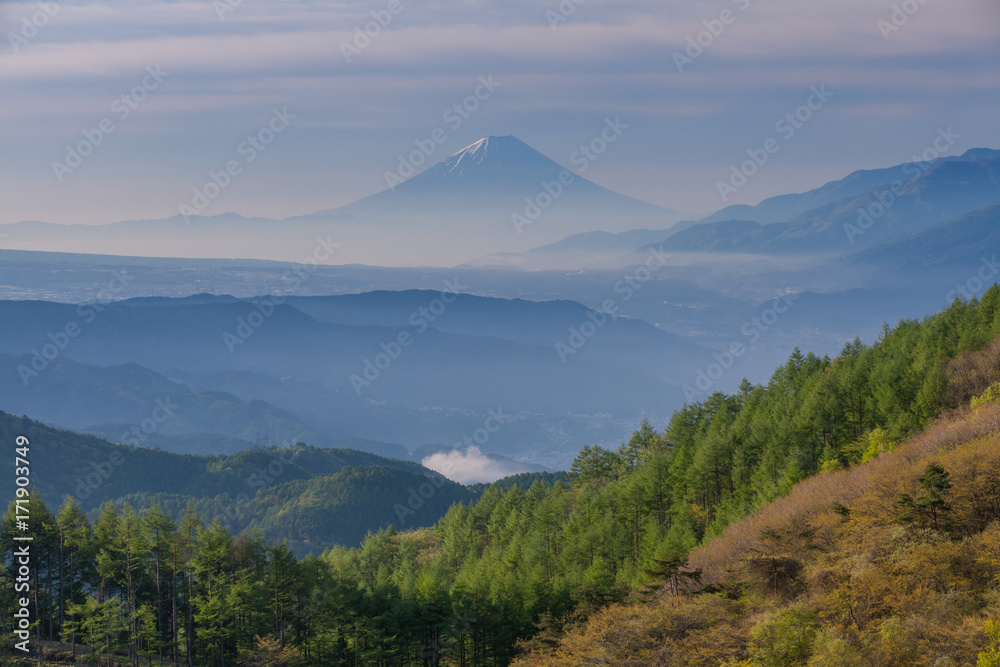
799,583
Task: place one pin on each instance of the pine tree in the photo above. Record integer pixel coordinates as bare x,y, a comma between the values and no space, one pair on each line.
184,553
160,531
75,549
931,506
134,545
214,571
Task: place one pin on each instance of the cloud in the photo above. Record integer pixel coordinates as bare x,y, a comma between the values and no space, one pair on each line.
471,466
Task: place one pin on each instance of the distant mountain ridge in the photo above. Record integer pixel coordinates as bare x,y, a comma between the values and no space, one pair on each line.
947,190
133,405
307,370
864,209
786,207
499,202
465,206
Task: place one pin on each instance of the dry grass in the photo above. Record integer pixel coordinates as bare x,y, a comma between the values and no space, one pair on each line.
970,374
879,481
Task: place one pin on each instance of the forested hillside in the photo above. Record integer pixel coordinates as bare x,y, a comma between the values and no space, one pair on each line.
892,563
314,498
888,556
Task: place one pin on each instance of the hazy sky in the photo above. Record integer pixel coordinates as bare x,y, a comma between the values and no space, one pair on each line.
230,63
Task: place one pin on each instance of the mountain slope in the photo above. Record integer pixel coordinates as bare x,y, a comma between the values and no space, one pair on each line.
133,405
790,206
831,575
358,491
950,189
959,243
886,556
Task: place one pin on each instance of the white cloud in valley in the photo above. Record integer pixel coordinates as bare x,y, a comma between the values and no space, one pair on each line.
471,466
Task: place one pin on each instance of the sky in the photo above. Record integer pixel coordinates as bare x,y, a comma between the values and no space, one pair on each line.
698,84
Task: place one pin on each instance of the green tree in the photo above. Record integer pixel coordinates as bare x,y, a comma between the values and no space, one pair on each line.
930,507
160,530
214,571
75,553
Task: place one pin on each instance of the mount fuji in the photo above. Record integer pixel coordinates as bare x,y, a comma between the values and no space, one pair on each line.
496,195
493,177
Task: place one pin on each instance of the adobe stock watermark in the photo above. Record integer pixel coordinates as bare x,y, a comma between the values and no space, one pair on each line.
264,307
259,480
786,127
140,432
975,285
61,339
562,13
751,330
364,35
454,117
254,145
32,24
900,16
418,497
122,107
93,480
627,287
581,158
223,7
887,197
714,28
421,319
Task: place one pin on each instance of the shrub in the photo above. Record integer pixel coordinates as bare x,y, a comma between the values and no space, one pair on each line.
991,656
831,648
784,638
991,395
879,443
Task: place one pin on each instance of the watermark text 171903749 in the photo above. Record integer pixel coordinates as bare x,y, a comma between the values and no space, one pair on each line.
22,551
